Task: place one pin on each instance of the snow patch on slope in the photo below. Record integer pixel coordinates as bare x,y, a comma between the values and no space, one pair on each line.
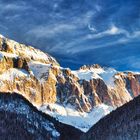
11,55
108,76
1,56
81,120
13,73
86,75
39,70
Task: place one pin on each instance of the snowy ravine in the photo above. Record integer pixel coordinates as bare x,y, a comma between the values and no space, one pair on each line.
81,120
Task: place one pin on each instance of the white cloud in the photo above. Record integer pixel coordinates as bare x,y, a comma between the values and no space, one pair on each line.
83,20
82,48
12,17
136,34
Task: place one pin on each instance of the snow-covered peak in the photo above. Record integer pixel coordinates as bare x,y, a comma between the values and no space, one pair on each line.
86,74
106,74
13,73
85,67
14,48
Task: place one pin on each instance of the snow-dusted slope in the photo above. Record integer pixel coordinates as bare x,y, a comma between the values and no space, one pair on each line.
20,120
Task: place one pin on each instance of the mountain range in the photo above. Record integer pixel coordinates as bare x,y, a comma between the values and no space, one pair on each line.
67,102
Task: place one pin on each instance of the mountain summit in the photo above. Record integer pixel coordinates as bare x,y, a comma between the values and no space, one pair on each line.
79,98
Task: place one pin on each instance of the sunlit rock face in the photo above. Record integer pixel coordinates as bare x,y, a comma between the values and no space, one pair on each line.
17,75
51,88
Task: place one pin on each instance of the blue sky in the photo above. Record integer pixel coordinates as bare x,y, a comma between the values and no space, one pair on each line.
77,32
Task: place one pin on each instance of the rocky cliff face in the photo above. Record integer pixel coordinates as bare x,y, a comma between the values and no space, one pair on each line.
51,88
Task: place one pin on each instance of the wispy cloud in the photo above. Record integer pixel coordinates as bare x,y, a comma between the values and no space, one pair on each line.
135,63
13,6
98,7
3,27
91,28
66,27
130,62
51,31
113,30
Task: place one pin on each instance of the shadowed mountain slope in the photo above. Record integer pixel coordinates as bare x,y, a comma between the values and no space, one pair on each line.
121,124
19,119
